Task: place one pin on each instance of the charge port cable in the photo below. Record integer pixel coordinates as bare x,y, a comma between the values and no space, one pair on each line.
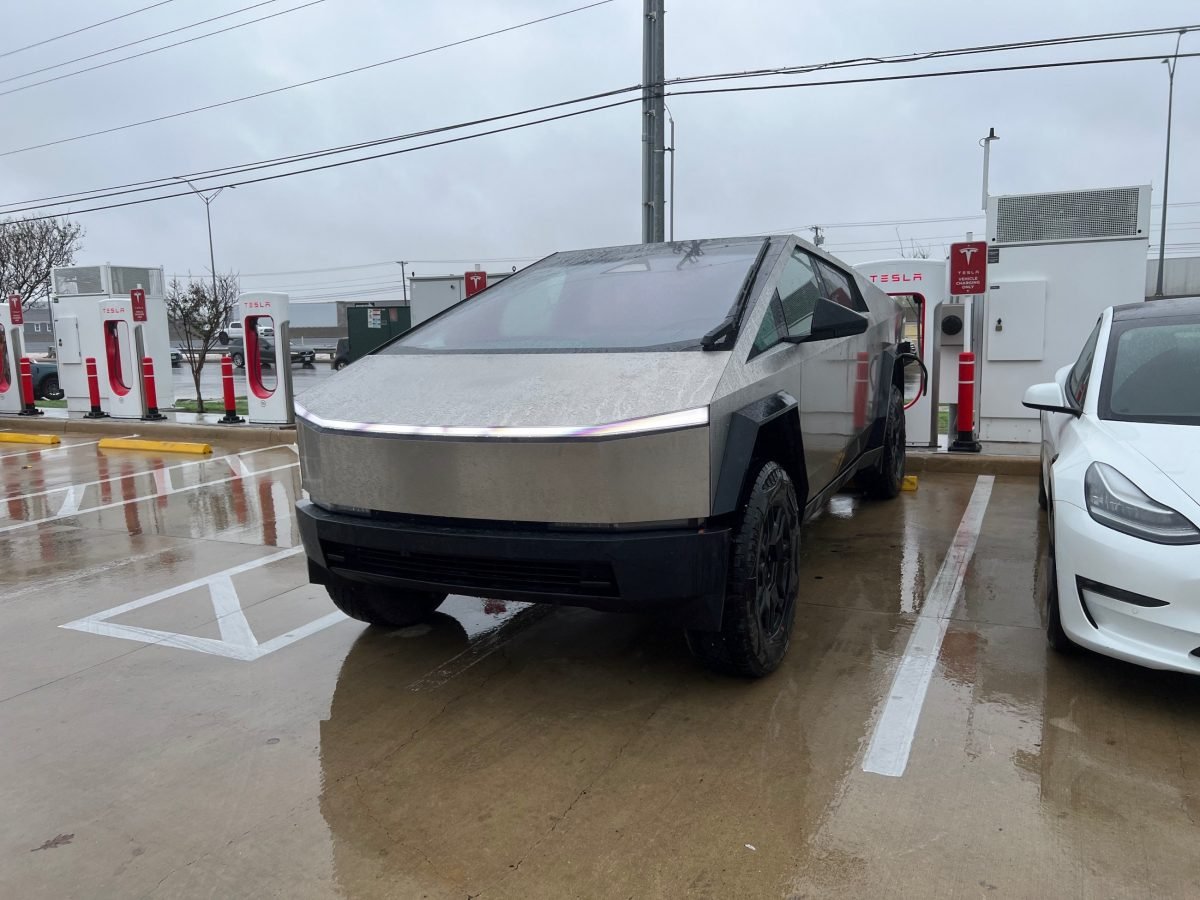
906,356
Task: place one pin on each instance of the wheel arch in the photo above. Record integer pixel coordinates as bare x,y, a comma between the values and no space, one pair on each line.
765,429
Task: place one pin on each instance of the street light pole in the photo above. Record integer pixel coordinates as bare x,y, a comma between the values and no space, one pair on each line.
1162,233
208,199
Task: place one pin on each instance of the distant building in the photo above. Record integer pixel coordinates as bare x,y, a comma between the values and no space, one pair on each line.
38,332
430,294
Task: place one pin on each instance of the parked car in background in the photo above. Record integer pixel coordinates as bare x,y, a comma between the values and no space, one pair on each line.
176,358
45,381
639,429
341,355
1121,487
303,356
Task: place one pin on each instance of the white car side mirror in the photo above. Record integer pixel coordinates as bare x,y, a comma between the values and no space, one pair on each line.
1049,397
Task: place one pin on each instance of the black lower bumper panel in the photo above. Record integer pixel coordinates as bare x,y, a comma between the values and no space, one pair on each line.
678,573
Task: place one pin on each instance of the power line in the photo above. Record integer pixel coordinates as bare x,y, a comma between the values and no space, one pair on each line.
199,37
299,84
941,54
612,105
59,37
134,43
411,262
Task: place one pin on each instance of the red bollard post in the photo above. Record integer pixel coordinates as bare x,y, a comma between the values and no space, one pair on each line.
93,381
862,378
151,395
27,409
966,442
231,417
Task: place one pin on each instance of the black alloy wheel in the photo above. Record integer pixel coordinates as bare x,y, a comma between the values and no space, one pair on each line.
50,389
764,576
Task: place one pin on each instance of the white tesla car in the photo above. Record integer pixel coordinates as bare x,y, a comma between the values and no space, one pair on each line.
1121,483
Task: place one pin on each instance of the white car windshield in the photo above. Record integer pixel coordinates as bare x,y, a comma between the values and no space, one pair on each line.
642,297
1151,372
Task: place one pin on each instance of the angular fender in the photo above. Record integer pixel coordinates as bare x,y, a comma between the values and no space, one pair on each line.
740,440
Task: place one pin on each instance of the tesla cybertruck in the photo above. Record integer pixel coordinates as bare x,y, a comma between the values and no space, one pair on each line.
638,428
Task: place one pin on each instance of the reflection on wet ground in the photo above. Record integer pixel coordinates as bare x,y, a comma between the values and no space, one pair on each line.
509,751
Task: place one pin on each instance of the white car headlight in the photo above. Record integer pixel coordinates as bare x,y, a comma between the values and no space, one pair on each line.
1116,502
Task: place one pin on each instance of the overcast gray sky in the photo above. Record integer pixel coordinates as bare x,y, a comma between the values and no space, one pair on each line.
750,162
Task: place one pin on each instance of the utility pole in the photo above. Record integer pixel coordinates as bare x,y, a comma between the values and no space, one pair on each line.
653,143
208,199
403,281
818,235
987,162
1162,232
671,150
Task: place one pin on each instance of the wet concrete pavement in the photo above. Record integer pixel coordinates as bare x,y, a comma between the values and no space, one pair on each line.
205,726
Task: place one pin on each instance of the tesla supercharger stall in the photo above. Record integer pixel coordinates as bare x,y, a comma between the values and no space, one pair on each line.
919,286
265,324
96,317
12,348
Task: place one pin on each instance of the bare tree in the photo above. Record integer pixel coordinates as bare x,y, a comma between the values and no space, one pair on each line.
198,318
29,249
914,251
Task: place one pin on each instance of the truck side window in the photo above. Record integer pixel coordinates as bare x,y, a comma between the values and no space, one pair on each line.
799,290
840,287
771,330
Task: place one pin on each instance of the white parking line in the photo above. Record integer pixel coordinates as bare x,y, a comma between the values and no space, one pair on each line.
237,640
235,460
895,728
119,503
60,448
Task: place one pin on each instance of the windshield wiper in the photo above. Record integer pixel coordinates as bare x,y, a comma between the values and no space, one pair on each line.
727,330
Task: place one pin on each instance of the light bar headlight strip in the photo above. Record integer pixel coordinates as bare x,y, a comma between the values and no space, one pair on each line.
685,418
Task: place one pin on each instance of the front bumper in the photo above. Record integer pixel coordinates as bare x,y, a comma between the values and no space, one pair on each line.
678,573
1158,627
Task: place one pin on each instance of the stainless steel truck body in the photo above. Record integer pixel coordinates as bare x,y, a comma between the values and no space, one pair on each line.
629,428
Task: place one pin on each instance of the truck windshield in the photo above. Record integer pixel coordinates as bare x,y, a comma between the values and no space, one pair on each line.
641,297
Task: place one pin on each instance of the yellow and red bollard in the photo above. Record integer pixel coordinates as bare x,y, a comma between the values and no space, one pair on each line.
27,407
151,394
965,426
93,380
231,417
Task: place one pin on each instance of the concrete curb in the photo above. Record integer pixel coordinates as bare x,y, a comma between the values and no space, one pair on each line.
222,435
972,463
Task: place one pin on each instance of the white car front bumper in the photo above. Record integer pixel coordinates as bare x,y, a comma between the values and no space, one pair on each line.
1125,597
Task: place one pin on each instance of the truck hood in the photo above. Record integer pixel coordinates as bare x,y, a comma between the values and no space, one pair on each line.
474,390
1173,449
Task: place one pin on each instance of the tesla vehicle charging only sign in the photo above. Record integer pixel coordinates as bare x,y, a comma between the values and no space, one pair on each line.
968,268
14,309
137,297
476,282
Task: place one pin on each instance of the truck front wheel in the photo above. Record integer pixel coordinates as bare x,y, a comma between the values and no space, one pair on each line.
760,597
385,607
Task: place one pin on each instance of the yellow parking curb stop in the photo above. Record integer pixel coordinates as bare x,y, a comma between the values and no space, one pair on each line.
160,446
16,437
910,483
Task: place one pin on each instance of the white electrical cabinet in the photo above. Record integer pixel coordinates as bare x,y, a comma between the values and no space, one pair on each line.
1055,262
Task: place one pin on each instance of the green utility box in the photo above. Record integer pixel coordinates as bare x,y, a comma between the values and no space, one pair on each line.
370,326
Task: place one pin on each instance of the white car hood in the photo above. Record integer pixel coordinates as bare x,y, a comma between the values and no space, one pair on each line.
1173,449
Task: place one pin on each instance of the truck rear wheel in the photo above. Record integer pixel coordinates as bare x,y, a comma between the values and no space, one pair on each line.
385,607
764,573
884,480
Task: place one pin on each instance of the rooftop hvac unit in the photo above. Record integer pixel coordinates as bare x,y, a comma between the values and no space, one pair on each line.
1111,214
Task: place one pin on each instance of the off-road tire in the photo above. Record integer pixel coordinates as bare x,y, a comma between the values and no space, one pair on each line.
239,360
764,574
385,607
49,388
884,480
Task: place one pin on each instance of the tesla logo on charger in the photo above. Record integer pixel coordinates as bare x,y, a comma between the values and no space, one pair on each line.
968,268
476,282
256,304
897,277
113,310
